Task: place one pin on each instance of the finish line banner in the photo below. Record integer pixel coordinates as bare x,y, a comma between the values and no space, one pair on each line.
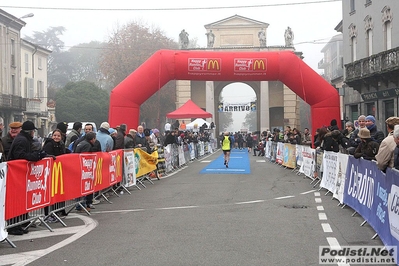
237,107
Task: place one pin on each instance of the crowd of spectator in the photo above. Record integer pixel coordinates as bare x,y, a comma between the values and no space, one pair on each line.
363,141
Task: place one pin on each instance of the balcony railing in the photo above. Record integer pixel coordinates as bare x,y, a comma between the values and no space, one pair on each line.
12,102
386,61
321,64
33,106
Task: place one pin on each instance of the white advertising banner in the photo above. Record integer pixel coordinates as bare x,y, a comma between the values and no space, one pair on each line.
299,156
330,170
338,192
268,149
168,158
129,173
182,160
3,174
308,162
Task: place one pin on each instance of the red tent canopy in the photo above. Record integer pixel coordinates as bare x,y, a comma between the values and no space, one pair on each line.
189,110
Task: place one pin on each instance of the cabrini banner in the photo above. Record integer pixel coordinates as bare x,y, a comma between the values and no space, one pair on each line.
237,107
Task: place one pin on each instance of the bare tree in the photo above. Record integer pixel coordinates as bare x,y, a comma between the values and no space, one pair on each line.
127,48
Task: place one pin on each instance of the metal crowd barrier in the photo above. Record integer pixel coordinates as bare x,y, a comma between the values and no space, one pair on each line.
180,156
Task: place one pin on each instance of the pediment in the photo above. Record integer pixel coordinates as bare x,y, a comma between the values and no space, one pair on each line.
236,21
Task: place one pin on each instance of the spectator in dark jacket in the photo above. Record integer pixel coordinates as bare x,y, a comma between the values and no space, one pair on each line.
354,140
55,146
140,140
375,134
130,139
14,129
368,148
88,128
120,137
333,125
170,138
21,147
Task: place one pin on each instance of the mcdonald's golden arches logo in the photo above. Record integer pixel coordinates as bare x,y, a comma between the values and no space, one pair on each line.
259,64
99,172
213,64
57,179
118,166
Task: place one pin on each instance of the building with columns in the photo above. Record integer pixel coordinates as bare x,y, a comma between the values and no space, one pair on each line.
277,105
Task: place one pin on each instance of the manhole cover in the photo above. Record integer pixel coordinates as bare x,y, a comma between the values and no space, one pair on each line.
295,206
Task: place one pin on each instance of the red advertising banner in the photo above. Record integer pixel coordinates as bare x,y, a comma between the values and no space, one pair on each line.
33,185
37,179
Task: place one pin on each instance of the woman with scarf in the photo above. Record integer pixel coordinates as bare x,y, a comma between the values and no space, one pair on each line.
55,146
375,134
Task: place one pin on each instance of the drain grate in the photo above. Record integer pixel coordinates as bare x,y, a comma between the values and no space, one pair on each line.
296,206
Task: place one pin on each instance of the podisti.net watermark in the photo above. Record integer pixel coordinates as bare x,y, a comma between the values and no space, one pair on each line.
377,255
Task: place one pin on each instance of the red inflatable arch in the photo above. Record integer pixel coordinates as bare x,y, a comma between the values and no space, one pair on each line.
166,65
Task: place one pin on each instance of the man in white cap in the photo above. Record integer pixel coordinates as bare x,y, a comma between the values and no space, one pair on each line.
103,136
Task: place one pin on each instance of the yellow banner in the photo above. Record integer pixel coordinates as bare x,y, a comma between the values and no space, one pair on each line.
145,163
289,155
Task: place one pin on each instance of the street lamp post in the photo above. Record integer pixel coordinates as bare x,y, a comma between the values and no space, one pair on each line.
29,15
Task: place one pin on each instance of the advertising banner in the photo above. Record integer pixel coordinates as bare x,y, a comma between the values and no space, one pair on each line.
145,162
129,170
366,191
289,159
299,155
308,162
273,152
268,147
338,192
3,180
168,158
389,213
49,181
330,170
280,153
319,163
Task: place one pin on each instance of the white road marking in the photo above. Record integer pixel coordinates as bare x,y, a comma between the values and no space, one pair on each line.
326,227
248,202
333,242
47,233
205,161
260,161
307,192
318,200
25,258
322,216
320,208
286,197
119,211
176,208
317,194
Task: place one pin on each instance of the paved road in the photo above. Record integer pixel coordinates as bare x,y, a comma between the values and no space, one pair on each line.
268,217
